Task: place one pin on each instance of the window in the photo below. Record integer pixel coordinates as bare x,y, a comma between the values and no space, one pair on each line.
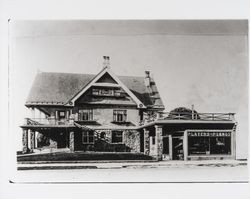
85,115
95,91
209,143
88,137
103,91
220,145
153,140
120,116
61,113
117,136
116,92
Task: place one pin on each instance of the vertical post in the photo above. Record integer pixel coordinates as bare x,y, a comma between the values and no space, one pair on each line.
146,141
32,141
71,141
192,111
170,147
25,141
158,141
185,145
233,143
36,133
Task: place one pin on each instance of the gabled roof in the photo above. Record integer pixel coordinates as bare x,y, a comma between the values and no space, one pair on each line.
59,88
106,71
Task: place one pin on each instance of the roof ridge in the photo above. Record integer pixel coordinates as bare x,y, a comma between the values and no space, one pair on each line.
86,74
66,73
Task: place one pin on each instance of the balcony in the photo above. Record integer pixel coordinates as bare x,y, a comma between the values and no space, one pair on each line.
160,116
48,121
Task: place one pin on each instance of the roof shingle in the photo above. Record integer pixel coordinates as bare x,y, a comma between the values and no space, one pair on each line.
59,88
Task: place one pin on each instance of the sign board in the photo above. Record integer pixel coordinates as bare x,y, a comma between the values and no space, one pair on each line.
209,134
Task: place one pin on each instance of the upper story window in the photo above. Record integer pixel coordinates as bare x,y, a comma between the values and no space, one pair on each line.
85,115
61,115
106,92
120,115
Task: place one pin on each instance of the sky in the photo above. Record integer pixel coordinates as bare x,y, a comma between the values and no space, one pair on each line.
204,63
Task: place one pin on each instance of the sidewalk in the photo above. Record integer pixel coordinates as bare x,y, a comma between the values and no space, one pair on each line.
129,165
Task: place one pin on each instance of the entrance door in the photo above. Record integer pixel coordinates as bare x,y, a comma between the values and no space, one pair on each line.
165,152
63,140
177,143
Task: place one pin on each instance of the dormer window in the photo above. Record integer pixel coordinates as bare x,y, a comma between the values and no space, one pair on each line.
120,115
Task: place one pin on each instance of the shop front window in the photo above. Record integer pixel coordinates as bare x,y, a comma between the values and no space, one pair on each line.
220,145
209,143
198,145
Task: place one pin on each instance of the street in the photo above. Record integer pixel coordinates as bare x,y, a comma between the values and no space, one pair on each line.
174,173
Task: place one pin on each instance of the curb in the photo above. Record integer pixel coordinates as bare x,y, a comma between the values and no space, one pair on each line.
151,165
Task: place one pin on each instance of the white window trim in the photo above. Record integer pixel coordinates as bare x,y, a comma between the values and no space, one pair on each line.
87,138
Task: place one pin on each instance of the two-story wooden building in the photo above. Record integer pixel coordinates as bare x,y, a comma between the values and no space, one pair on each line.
109,113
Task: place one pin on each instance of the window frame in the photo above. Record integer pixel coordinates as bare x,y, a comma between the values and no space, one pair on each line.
206,141
86,134
114,136
87,111
116,115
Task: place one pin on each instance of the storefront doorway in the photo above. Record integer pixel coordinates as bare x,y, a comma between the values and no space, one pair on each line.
177,143
165,151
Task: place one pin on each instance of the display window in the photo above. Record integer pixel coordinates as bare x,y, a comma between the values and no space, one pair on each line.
209,143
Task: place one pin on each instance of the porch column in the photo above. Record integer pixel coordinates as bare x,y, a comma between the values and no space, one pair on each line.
170,147
158,141
233,143
146,141
185,145
36,139
25,141
32,141
71,141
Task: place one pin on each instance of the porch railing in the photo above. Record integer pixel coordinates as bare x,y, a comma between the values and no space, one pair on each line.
48,121
188,116
148,119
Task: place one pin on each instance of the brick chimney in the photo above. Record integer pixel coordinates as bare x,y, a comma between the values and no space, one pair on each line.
106,62
147,79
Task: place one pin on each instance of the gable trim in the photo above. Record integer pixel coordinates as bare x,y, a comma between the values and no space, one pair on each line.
96,78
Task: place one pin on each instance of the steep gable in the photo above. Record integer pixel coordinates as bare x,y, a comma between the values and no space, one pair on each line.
106,78
59,88
94,82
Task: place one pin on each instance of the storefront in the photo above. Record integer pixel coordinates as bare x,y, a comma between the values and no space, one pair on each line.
191,141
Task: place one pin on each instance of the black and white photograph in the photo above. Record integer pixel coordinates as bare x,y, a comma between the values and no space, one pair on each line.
129,100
